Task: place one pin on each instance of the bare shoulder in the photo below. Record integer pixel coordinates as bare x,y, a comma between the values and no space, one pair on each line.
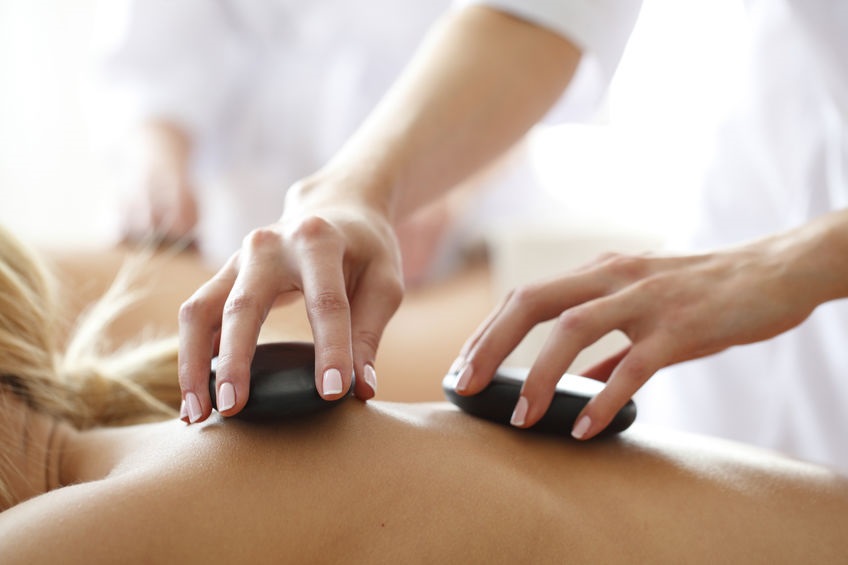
98,522
386,482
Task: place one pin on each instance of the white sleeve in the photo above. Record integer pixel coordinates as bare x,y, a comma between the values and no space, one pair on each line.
163,59
825,23
600,28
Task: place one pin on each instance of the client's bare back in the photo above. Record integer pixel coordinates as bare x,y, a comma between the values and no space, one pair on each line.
426,483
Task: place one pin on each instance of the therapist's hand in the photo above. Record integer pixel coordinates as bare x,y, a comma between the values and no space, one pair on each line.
672,309
436,126
340,254
160,202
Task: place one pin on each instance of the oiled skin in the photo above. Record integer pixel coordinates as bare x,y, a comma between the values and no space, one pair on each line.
400,483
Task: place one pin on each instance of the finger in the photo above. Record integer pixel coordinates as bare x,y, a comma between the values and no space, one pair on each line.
321,255
478,334
499,335
637,366
543,300
259,281
575,329
378,298
461,365
601,370
199,325
507,327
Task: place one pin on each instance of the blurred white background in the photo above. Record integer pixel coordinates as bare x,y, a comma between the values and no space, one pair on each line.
52,186
631,172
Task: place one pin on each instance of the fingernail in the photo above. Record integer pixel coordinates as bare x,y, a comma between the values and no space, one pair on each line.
332,381
371,378
581,428
183,413
464,378
457,365
193,406
226,397
520,412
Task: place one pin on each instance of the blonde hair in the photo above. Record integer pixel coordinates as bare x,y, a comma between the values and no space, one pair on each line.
83,383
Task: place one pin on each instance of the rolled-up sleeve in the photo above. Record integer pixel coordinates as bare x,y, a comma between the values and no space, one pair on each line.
599,28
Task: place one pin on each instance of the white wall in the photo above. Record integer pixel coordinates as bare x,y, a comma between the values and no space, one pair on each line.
53,189
627,184
672,87
50,181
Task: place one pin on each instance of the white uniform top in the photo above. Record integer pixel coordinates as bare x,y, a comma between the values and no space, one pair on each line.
269,90
600,28
781,159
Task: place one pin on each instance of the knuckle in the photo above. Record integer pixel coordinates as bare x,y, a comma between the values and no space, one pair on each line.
574,320
328,303
370,339
602,259
192,310
655,285
638,371
312,228
392,293
261,238
524,296
241,302
625,266
524,305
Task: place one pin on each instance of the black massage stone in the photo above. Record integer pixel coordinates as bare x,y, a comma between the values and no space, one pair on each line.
282,383
497,401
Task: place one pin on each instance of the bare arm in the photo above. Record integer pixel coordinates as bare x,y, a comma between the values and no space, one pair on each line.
161,201
673,309
479,82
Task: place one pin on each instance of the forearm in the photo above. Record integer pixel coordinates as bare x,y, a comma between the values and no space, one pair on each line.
477,84
816,258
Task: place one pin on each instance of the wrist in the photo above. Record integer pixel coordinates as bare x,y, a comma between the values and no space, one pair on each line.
339,186
816,257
